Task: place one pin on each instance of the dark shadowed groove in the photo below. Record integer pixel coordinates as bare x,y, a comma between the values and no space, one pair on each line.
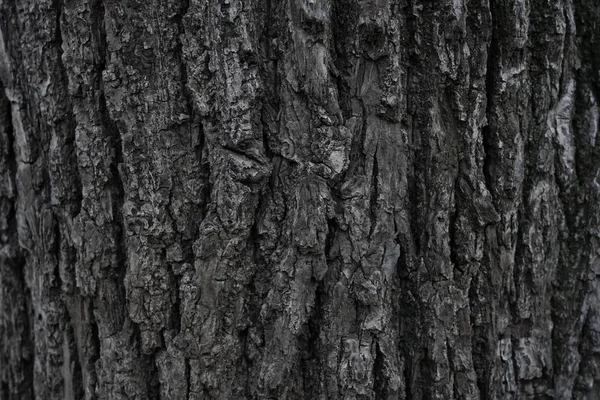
520,269
187,378
14,263
178,19
356,164
488,159
339,23
408,324
64,215
330,238
452,230
28,383
266,147
12,160
310,359
581,352
245,359
379,380
582,159
491,77
407,373
264,46
175,315
152,382
56,249
373,201
414,195
14,266
587,34
193,124
78,387
27,389
4,391
92,343
451,367
71,123
270,79
480,345
95,343
112,130
14,259
480,341
342,21
412,184
148,364
268,65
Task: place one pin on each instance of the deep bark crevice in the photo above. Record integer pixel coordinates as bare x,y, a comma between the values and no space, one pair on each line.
310,344
480,348
18,265
453,229
187,378
488,163
11,160
379,379
94,338
12,272
117,172
491,78
407,375
4,391
178,19
69,140
373,201
56,280
77,388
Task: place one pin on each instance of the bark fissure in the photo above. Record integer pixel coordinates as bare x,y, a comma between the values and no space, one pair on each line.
452,231
179,17
116,143
374,199
69,140
17,347
491,78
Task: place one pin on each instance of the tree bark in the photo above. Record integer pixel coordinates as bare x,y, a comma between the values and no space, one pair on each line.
299,199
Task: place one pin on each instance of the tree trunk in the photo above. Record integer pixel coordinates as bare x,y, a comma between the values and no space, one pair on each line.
299,199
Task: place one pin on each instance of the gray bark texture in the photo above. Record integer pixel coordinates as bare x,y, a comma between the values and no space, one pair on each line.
299,199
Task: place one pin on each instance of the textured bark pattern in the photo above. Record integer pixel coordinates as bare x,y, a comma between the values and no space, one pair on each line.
299,199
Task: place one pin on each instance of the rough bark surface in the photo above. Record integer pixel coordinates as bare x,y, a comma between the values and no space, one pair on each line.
299,199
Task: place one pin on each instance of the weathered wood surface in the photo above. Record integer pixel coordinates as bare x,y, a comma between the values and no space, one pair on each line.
300,199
